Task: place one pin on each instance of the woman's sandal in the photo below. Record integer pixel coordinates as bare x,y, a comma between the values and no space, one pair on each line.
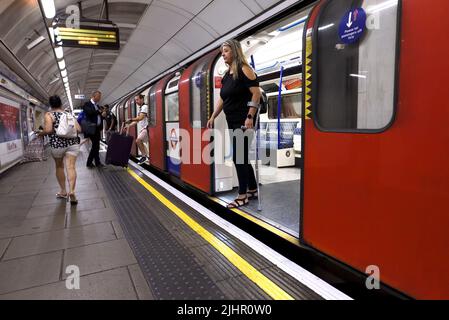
253,195
238,203
61,196
72,198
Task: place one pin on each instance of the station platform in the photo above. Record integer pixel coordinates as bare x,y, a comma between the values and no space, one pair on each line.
132,237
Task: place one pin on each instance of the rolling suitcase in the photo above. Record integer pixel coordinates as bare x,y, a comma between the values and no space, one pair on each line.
119,149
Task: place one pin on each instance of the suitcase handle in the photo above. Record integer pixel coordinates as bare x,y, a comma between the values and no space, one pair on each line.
123,129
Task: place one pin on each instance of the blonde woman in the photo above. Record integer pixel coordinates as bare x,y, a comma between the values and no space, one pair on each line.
239,99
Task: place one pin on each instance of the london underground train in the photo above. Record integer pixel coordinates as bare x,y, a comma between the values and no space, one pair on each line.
356,133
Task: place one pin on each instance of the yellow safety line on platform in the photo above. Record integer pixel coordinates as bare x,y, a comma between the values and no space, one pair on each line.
273,290
259,222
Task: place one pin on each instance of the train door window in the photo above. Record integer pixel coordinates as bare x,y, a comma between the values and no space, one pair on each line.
133,108
172,101
152,106
126,111
290,106
172,107
199,88
355,80
114,111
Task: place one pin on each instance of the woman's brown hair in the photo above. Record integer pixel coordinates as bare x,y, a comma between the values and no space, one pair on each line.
239,58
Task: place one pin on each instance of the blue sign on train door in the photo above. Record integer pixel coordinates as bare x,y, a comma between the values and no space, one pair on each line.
352,26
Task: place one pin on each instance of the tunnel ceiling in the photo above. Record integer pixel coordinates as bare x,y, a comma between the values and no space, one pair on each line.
154,36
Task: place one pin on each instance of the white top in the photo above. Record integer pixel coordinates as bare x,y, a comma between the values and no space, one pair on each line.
144,123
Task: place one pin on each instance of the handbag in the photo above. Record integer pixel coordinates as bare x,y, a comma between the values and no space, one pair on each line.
66,127
88,128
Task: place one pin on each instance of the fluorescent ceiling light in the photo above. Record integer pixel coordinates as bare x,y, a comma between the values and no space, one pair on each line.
52,34
61,64
54,80
361,76
65,79
64,73
59,53
326,27
382,6
35,42
49,8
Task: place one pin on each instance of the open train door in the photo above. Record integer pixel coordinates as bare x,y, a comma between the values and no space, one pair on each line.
156,125
171,123
131,106
194,110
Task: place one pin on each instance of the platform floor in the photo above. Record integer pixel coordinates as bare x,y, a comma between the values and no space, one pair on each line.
126,241
41,235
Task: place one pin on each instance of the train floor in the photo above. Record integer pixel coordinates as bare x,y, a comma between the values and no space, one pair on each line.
280,198
130,238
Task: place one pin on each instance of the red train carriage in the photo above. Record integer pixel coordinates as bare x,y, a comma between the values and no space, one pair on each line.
364,138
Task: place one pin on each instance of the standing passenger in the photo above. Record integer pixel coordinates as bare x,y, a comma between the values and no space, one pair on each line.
111,123
239,99
142,127
95,115
61,148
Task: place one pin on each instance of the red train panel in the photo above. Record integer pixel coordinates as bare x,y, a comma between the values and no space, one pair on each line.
195,173
382,199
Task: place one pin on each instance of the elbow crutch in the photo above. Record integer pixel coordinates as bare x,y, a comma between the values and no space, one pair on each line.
259,196
257,133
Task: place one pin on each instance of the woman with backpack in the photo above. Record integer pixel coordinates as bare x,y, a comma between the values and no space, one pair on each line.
63,145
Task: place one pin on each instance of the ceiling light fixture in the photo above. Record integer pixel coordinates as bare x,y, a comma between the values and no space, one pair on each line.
49,8
52,34
61,64
54,80
35,42
59,53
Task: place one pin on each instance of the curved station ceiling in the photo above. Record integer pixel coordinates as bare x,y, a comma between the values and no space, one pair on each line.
155,35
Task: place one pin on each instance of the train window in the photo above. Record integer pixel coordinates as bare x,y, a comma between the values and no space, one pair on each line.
173,84
354,88
290,106
133,108
199,86
152,106
172,107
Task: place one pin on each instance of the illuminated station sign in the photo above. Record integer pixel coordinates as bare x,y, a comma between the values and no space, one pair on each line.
90,37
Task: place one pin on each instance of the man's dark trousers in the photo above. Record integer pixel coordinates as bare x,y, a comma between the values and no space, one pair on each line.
94,154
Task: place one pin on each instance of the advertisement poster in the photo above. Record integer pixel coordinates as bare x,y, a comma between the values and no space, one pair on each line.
24,119
11,149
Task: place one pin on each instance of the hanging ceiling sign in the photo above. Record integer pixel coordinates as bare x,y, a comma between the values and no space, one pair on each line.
91,37
352,26
80,96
